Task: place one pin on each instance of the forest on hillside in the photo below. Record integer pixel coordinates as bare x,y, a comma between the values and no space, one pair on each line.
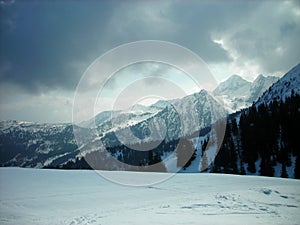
257,140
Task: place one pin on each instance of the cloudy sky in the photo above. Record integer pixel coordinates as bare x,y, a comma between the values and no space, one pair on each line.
46,46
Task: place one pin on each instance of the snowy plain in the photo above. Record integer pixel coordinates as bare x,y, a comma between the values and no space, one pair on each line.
35,196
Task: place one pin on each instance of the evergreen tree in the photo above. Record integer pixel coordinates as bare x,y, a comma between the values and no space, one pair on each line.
226,159
150,157
185,153
242,169
283,171
251,167
204,162
234,127
204,144
266,168
297,168
248,136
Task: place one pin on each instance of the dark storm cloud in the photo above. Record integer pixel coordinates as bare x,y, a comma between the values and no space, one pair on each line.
51,42
269,37
197,22
185,23
48,45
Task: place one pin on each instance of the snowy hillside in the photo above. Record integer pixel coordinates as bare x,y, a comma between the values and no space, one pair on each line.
52,197
136,113
234,86
53,145
182,117
101,118
238,93
162,103
36,144
283,88
259,86
262,139
50,145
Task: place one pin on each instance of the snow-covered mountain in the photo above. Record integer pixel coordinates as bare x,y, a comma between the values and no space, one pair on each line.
29,144
234,86
235,93
53,145
288,85
238,93
135,113
181,118
162,103
247,137
39,145
100,118
263,138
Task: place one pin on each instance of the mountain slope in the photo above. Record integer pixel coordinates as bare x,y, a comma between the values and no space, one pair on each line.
289,84
237,93
259,86
53,145
181,118
34,144
262,139
234,86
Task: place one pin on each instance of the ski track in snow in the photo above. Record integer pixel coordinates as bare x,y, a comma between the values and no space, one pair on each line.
33,196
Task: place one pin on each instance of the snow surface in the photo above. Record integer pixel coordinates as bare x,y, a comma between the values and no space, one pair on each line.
33,196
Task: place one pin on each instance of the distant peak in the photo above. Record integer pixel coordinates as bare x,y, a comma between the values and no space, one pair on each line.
260,76
234,80
235,77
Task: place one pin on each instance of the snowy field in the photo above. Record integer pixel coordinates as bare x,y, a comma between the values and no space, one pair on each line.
32,196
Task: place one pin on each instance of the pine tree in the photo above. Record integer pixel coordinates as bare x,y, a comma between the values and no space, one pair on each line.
204,144
150,157
185,153
297,168
234,127
204,162
251,167
266,168
283,171
242,169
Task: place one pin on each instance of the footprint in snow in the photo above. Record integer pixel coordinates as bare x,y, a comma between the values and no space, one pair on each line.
266,191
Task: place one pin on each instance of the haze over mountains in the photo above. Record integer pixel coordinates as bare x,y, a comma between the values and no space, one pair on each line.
29,144
235,93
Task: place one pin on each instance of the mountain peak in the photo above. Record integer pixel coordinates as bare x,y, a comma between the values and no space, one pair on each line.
232,81
239,93
283,88
259,77
232,84
235,76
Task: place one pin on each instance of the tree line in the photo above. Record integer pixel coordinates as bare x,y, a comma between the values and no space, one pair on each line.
265,137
